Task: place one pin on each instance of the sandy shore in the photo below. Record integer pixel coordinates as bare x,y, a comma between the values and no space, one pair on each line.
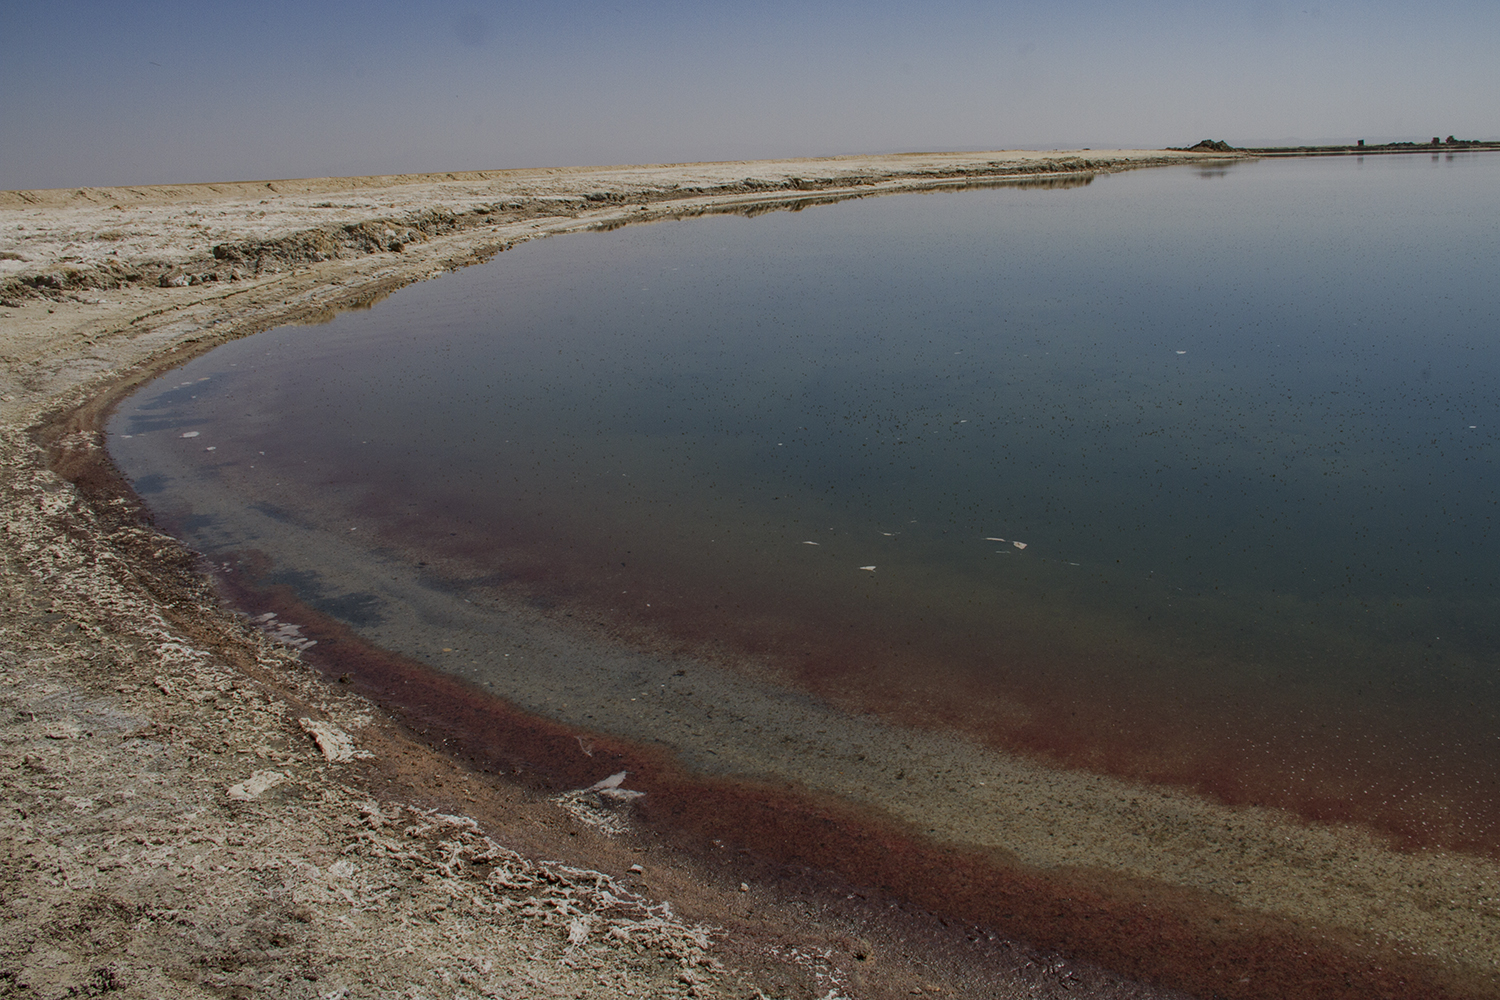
191,809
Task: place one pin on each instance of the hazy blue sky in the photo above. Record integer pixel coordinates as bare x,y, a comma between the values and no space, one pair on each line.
95,93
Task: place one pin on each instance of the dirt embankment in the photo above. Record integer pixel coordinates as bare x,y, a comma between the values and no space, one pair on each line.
196,234
189,809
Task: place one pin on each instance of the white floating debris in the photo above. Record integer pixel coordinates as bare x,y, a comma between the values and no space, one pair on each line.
889,534
212,447
285,633
610,787
809,543
870,568
994,539
189,434
255,785
1019,545
336,744
597,804
619,794
1182,352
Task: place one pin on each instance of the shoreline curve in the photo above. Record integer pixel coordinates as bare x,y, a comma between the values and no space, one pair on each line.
203,264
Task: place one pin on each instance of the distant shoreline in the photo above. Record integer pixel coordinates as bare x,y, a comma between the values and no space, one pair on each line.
1354,149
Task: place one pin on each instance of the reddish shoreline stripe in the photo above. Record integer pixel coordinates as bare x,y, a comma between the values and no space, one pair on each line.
1179,938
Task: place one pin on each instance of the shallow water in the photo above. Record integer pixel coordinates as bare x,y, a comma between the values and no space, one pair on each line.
1241,422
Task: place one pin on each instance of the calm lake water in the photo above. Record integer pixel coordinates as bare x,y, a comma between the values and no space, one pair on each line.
1187,474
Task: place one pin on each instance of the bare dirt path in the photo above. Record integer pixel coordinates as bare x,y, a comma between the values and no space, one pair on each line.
188,808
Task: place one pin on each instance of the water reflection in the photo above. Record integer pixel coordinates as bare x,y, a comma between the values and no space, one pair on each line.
1045,182
1216,168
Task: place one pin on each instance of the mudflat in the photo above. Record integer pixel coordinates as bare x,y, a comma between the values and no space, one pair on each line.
195,806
